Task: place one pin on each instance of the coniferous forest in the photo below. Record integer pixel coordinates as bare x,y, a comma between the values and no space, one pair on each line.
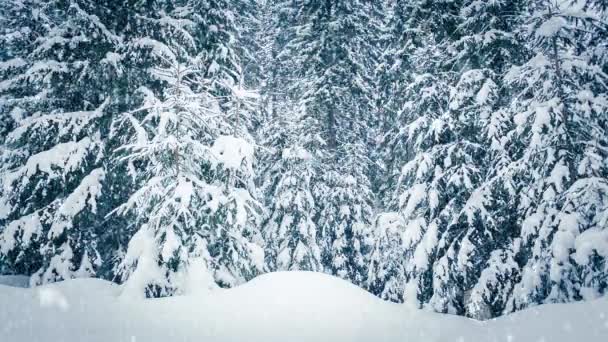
450,154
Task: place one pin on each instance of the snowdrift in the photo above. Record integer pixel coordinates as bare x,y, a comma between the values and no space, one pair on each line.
287,306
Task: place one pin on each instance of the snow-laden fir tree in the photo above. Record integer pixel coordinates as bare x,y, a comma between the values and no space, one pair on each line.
485,48
329,45
333,51
49,196
289,164
290,231
387,263
345,218
558,143
204,37
412,31
434,174
56,69
194,213
447,142
402,40
275,63
516,216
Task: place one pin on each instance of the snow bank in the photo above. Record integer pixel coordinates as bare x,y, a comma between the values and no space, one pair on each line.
294,306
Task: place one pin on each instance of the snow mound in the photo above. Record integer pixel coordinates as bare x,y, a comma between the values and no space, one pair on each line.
284,306
305,288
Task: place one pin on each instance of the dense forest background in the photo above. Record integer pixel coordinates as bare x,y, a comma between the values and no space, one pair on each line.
451,154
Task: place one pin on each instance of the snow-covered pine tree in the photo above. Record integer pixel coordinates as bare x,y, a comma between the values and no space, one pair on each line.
435,173
485,49
387,268
409,55
401,40
332,48
193,209
274,61
290,166
331,72
236,241
290,231
153,33
224,52
410,97
147,29
252,35
171,197
49,196
449,141
57,68
194,175
345,216
558,145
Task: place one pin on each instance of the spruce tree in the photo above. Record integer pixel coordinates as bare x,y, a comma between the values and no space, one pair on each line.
485,48
559,143
387,269
193,207
290,231
57,70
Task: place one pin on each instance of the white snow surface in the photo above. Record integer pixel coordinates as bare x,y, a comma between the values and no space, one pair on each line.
232,152
285,306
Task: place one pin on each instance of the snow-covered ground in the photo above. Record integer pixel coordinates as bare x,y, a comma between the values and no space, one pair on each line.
290,306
